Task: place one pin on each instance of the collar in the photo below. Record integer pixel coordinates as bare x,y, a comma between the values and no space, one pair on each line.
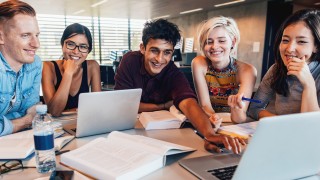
313,65
4,65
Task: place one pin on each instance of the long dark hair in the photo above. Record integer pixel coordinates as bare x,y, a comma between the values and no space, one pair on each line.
311,17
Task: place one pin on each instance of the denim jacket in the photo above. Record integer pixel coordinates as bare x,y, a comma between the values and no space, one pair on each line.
25,85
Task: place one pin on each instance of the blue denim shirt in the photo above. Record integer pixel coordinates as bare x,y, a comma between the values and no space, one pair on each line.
25,84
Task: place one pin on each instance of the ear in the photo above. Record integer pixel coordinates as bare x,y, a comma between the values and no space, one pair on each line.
1,37
142,48
233,43
315,50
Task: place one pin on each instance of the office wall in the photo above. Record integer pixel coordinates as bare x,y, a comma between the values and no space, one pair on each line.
251,20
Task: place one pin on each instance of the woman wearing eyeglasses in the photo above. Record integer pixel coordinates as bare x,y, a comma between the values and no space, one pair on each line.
63,80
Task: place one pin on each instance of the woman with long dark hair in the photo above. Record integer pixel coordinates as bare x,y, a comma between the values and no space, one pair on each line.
293,82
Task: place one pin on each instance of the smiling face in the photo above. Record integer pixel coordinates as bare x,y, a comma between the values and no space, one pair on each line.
218,46
297,41
157,55
81,42
19,40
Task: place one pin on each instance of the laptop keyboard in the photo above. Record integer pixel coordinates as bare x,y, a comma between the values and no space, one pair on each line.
225,173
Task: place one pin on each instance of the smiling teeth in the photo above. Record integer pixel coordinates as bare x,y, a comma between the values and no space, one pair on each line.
216,52
75,58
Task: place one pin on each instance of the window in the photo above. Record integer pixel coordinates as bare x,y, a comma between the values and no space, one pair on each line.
109,34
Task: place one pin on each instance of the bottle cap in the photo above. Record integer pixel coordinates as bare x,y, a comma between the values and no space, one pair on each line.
41,109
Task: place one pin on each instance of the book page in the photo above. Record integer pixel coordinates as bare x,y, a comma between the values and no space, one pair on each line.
153,145
62,141
243,130
16,146
177,113
159,120
110,158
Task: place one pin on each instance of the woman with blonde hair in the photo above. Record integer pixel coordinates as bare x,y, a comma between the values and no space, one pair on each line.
221,81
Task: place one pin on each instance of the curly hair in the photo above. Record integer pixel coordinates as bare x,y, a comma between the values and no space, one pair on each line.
160,29
311,18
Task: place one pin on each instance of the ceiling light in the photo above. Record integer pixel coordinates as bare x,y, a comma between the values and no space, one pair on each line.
318,3
78,12
165,16
98,3
228,3
190,11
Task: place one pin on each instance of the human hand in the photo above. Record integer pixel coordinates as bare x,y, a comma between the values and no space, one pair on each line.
71,66
230,143
216,121
235,101
32,110
299,68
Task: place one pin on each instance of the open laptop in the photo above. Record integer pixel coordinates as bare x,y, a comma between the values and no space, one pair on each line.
282,147
102,112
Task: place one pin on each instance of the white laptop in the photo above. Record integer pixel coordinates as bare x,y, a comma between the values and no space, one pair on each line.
102,112
283,147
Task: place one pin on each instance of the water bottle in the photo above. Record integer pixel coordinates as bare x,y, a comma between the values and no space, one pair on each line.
44,141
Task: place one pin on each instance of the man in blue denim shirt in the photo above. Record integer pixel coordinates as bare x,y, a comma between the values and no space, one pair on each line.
20,68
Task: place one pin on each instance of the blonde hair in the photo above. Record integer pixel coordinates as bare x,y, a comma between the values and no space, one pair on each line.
227,23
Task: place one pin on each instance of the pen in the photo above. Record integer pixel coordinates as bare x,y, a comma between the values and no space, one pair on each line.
251,100
61,152
221,150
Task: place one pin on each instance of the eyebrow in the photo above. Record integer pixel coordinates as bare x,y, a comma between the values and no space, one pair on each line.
298,37
76,43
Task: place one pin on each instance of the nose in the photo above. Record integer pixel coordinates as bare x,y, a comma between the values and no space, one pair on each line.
76,50
291,46
35,42
160,56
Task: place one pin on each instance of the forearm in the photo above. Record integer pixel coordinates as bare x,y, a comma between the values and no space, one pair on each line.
309,100
147,107
59,100
238,115
22,123
197,116
265,113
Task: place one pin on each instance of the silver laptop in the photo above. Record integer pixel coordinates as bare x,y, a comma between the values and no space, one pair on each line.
102,112
282,147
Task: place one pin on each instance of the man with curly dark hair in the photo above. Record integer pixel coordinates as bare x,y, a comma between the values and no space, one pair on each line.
163,84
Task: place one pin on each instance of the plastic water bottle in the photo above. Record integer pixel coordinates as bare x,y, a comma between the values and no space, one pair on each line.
44,141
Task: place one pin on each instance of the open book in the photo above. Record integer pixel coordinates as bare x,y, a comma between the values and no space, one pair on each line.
162,119
121,156
20,145
244,130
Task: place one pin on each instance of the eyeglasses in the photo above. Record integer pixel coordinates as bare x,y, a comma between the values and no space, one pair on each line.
10,166
82,47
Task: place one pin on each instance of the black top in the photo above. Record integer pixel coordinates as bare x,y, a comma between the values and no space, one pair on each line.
84,87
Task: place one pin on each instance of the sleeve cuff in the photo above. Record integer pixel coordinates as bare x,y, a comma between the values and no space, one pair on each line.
6,126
